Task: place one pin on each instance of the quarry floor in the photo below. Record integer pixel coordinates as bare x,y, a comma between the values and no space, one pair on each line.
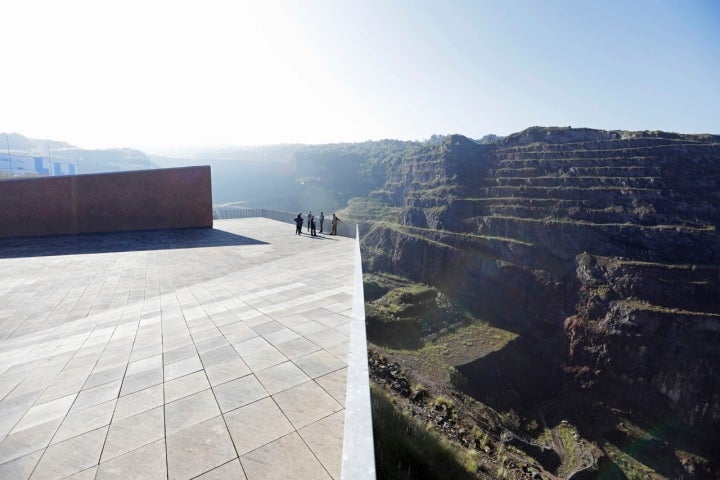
203,353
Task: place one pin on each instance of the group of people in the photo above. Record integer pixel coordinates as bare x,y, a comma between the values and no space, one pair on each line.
311,226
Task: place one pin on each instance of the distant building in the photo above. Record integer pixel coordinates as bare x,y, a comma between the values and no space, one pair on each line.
20,165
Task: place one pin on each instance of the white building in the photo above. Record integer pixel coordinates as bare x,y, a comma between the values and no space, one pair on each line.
20,165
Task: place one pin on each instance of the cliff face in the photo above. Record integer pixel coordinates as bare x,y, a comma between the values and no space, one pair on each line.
603,245
654,327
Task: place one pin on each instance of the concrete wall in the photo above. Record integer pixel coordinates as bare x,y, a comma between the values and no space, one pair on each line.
106,202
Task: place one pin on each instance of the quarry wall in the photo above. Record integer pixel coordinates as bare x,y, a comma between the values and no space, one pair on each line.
106,202
608,241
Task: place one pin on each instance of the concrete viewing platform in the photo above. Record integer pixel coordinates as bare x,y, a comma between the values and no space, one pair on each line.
202,353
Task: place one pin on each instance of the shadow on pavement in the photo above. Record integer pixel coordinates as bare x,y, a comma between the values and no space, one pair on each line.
120,242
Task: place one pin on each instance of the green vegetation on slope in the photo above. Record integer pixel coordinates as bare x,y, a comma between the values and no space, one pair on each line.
407,449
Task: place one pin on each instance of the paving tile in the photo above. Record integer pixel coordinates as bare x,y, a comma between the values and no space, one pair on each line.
306,403
327,337
145,463
138,402
112,360
309,327
207,334
218,355
339,307
296,457
85,420
325,439
45,412
8,421
250,316
144,352
280,312
294,320
88,474
229,471
281,336
184,386
340,350
71,456
199,449
257,353
20,468
268,327
105,376
179,353
344,328
297,347
319,363
18,404
134,432
335,384
27,441
254,316
148,363
182,367
223,318
257,424
63,387
239,392
215,342
8,382
333,320
281,377
238,330
141,381
226,371
190,410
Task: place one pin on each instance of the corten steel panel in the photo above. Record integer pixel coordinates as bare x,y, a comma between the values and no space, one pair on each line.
106,202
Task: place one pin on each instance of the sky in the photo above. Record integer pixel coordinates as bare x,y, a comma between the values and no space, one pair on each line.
158,74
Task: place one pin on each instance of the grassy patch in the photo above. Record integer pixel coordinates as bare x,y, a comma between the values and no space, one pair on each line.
363,210
577,455
402,316
642,305
467,343
604,260
378,284
569,221
629,467
417,234
489,238
407,449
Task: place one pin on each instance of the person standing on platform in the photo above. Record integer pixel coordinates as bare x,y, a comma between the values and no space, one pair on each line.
309,219
322,219
312,227
335,221
298,224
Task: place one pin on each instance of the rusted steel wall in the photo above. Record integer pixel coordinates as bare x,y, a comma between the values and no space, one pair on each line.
106,202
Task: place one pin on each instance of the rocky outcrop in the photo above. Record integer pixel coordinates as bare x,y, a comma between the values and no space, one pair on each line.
606,241
653,327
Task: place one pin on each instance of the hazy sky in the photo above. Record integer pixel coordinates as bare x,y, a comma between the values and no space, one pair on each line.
150,73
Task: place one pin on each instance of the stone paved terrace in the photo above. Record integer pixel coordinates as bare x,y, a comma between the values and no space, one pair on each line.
209,353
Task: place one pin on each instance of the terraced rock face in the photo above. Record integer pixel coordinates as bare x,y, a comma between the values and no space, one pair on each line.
603,245
653,326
